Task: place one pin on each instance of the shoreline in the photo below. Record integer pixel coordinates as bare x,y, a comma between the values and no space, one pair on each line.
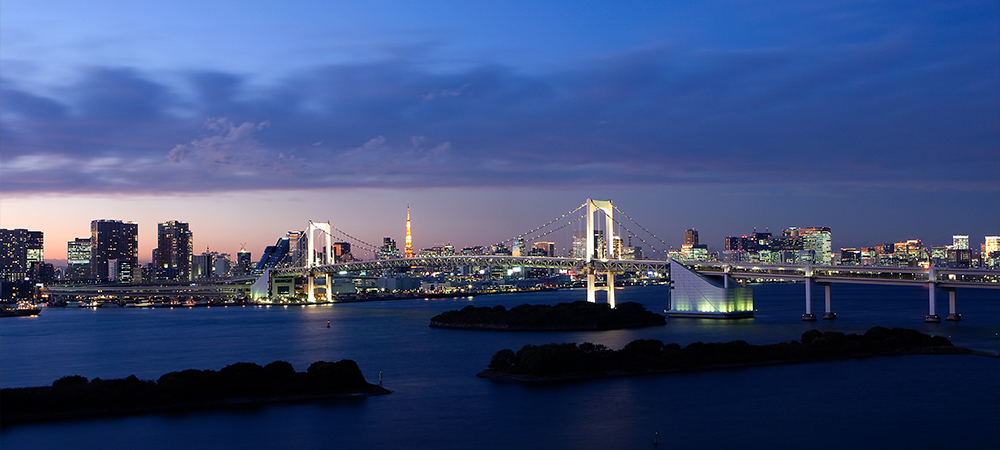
185,407
508,327
498,376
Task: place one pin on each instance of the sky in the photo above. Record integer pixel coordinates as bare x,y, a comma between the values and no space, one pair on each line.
879,119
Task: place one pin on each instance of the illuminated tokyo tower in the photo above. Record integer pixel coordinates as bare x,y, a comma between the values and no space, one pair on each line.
408,250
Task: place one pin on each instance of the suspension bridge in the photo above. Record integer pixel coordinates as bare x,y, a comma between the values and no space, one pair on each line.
598,255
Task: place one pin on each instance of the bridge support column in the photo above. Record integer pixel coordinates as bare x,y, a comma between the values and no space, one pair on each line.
931,316
591,288
725,281
311,287
611,289
828,314
952,315
809,316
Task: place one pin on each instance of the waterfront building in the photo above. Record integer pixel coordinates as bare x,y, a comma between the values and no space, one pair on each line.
172,256
991,252
114,246
817,239
850,257
960,242
272,257
78,259
13,254
201,266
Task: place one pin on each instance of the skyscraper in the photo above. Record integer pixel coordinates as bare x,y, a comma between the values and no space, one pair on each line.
244,263
960,242
408,250
388,250
117,243
174,248
691,237
817,240
34,247
13,254
548,246
78,259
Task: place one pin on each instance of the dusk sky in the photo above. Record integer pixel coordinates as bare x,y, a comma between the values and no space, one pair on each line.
247,119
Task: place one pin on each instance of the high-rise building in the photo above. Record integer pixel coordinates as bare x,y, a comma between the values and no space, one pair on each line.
78,259
221,265
580,244
992,244
116,242
517,247
408,249
244,263
172,258
817,240
388,249
342,252
201,266
548,247
960,242
34,248
691,237
14,254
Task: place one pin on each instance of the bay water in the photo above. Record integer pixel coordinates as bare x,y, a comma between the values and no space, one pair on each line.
918,401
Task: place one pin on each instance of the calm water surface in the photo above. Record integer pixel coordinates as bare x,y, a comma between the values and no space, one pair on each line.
437,402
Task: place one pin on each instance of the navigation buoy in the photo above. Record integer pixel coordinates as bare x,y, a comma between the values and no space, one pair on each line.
656,435
328,324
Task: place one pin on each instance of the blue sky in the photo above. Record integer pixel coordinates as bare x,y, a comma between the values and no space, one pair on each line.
878,119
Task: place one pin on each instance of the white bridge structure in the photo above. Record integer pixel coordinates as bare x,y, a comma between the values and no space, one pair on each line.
318,269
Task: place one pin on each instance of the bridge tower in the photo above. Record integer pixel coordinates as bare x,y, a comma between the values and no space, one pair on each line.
313,258
605,207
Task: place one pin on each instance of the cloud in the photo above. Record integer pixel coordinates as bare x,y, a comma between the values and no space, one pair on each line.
882,111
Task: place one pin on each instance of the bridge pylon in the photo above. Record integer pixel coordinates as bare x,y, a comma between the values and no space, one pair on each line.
316,258
607,252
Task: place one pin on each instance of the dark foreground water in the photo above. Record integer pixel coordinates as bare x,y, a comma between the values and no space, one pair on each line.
437,402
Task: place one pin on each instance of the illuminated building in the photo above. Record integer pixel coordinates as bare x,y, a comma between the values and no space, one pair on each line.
78,259
388,249
691,237
117,243
992,244
817,240
34,248
696,296
201,266
172,257
243,263
408,248
221,265
548,247
960,242
517,247
14,254
579,245
342,252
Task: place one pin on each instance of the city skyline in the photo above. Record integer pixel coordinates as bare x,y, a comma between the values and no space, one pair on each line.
878,120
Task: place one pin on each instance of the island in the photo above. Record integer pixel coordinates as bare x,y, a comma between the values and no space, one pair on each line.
569,362
240,384
575,316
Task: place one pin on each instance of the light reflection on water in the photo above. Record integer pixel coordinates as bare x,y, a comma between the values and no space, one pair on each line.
905,402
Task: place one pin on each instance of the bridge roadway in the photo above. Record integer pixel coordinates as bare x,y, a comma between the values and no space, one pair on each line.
946,279
506,262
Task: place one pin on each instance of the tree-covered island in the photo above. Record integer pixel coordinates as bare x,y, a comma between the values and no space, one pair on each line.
575,316
73,397
568,362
